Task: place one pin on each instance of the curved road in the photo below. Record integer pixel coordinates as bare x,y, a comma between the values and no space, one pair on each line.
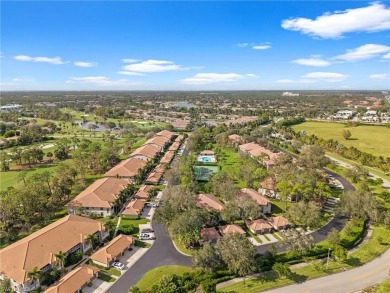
353,280
164,253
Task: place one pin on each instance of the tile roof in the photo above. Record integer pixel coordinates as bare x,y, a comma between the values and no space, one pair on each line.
74,280
134,207
102,193
157,140
154,177
143,191
209,234
279,222
249,192
230,229
126,168
258,225
208,201
165,133
149,151
39,248
175,146
167,158
115,247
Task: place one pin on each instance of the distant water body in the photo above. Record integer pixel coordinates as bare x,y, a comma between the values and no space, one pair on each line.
184,105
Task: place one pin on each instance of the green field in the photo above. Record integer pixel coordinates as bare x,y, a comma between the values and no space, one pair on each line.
367,138
153,276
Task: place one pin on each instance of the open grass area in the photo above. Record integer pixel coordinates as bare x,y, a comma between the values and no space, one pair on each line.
10,178
372,139
375,246
153,276
230,164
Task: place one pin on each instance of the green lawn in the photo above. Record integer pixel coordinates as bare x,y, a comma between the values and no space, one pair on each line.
230,164
383,287
183,249
367,138
134,222
152,277
106,278
10,178
378,244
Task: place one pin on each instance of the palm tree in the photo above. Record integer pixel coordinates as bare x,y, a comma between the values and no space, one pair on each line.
60,259
109,226
34,275
92,238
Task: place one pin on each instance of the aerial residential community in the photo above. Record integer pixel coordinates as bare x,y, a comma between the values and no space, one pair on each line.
211,146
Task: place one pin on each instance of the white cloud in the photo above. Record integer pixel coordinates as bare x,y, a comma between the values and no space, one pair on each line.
130,73
380,76
325,76
100,81
84,64
364,52
295,81
264,46
54,60
130,60
285,81
149,66
21,79
314,61
242,45
252,75
207,78
386,56
373,18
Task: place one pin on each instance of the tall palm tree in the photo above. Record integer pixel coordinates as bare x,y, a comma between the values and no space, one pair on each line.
34,275
60,259
109,226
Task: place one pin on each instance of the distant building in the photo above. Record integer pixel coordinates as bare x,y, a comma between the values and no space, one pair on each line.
10,108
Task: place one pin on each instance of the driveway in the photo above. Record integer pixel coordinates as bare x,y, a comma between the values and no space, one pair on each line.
160,254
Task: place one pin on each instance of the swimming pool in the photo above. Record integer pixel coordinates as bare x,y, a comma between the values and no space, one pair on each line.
207,159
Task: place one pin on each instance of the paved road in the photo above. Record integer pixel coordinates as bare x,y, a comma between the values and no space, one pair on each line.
362,277
160,254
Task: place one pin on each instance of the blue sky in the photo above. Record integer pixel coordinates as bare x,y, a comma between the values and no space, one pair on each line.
260,45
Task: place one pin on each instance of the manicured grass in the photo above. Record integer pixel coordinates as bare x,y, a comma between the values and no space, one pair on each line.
254,236
230,164
141,244
134,222
383,287
183,249
106,278
378,244
113,271
152,277
276,235
367,138
10,178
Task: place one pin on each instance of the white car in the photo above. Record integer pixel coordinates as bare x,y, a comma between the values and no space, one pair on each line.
147,237
118,265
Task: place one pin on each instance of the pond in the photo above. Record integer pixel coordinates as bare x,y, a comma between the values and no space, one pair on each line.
100,127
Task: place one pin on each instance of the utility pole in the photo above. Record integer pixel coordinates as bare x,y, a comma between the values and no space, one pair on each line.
327,260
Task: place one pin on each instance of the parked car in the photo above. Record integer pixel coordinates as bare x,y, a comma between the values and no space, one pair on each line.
147,237
146,230
118,265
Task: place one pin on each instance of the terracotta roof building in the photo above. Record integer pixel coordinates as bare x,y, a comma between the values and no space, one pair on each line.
134,208
268,186
175,146
167,158
209,235
75,280
158,141
208,202
106,255
145,152
154,177
231,229
38,249
166,133
143,191
259,226
255,150
127,168
99,197
261,200
279,222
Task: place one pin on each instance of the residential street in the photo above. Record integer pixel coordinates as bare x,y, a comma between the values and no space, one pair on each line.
160,254
350,281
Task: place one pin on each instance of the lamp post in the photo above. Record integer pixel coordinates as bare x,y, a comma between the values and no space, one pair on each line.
327,260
